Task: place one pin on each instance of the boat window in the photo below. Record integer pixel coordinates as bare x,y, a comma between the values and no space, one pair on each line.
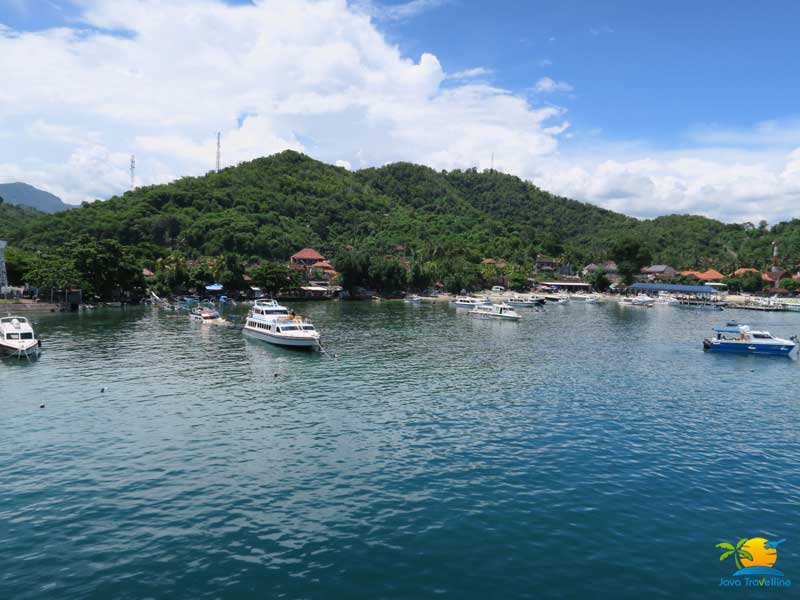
762,336
12,336
291,328
279,329
27,335
308,327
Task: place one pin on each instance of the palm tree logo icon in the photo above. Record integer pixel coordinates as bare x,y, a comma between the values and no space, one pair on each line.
753,556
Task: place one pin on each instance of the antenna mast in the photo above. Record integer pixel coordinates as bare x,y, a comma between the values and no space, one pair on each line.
219,135
133,172
492,167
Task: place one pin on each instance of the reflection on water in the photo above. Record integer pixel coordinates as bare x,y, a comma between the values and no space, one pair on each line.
583,452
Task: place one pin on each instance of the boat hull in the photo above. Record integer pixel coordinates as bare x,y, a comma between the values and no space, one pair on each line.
749,348
287,341
22,350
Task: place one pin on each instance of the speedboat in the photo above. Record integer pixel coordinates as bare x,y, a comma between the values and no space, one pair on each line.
413,299
524,301
469,302
205,315
743,340
641,300
556,298
17,337
502,312
274,323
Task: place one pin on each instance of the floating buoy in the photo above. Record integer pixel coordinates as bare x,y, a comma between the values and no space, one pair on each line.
41,405
102,390
275,375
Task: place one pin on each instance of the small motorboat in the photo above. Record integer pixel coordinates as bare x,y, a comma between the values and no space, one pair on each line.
501,312
743,340
413,299
17,338
469,302
642,300
205,315
524,301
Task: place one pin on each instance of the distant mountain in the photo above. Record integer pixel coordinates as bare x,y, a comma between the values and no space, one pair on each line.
27,195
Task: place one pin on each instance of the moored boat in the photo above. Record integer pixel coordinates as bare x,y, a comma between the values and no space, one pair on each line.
17,337
743,340
271,322
413,299
205,315
501,312
524,301
469,302
642,300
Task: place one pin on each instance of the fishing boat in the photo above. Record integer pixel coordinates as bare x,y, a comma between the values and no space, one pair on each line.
743,340
271,322
205,315
413,299
501,312
524,301
469,302
17,337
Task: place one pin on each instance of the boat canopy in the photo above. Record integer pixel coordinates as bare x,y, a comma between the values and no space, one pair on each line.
730,329
214,287
673,287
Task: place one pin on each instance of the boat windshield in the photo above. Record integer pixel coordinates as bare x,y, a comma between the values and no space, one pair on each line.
12,336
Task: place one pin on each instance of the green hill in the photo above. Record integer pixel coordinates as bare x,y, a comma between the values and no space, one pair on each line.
23,194
428,220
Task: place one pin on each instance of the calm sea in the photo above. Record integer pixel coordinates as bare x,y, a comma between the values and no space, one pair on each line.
589,451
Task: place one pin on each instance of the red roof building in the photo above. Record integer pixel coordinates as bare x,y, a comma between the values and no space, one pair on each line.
710,275
322,264
307,254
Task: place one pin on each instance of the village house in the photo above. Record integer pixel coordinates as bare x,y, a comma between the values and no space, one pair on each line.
609,267
709,275
544,264
659,272
313,266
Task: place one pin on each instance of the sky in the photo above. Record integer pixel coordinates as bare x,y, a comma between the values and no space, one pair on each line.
646,108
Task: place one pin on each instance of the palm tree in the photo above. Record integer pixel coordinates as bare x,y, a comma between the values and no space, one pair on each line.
735,551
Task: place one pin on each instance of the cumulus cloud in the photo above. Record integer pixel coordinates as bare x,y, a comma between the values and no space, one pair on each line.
546,85
729,184
470,73
313,75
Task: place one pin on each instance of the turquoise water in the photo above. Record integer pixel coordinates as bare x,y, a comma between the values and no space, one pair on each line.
589,451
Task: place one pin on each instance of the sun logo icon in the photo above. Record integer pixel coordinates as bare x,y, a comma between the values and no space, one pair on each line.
753,556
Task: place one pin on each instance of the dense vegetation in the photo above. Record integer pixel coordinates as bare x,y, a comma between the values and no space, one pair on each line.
389,228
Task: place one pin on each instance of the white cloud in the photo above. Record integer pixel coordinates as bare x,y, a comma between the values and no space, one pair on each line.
311,75
470,73
546,85
397,12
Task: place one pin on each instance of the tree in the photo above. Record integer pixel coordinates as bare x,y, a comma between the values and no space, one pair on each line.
736,551
599,280
53,272
631,255
788,284
274,277
517,277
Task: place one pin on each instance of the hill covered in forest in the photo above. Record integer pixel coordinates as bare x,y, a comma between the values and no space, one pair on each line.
435,221
23,194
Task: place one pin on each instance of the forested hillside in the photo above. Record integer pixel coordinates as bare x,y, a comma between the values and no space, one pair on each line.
430,223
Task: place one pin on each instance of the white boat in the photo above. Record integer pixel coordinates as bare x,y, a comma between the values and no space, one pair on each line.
502,312
642,300
205,315
17,337
524,301
741,339
271,322
413,299
584,297
469,302
667,299
557,298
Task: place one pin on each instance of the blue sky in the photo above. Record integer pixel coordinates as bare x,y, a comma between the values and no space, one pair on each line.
642,107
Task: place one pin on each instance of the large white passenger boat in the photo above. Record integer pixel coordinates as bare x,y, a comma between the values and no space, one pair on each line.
271,322
17,337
